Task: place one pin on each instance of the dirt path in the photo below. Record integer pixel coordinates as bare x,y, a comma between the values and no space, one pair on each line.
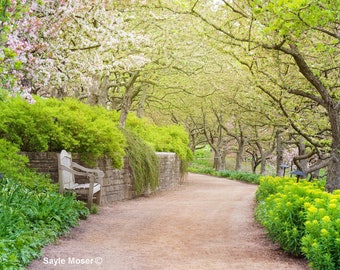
206,224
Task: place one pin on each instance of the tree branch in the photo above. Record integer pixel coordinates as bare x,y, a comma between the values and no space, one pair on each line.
307,95
85,48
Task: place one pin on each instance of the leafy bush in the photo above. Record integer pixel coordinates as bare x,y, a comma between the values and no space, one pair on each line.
31,219
92,131
18,125
52,124
283,216
302,218
204,170
271,185
13,166
321,242
201,160
32,212
144,163
243,176
172,138
89,130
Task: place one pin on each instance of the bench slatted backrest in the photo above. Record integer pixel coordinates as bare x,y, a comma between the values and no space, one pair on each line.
66,178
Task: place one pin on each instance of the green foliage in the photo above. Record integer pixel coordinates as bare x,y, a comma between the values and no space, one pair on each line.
18,126
203,170
89,130
33,213
243,176
321,242
143,161
53,125
302,218
203,153
94,209
271,185
13,166
201,164
295,17
282,214
172,138
31,219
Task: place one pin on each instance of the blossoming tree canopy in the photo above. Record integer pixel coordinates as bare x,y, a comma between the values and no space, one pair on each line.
11,44
72,47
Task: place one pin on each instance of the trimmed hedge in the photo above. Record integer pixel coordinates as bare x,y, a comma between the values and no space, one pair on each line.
303,218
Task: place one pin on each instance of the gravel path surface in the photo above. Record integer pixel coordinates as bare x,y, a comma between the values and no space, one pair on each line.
207,223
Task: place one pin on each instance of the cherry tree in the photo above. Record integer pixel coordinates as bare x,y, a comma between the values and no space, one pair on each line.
16,25
87,49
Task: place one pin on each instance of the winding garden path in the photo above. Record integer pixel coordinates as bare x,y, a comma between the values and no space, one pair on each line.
207,223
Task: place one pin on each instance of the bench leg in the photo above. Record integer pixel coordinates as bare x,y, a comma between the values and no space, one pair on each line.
89,200
98,197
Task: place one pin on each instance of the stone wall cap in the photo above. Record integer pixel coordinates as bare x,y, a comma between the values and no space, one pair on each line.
166,153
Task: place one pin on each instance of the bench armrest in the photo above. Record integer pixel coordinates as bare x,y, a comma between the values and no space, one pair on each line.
88,170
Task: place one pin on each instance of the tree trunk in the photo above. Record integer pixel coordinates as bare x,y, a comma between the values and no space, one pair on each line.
127,99
333,177
263,165
141,104
263,157
126,104
217,160
279,155
223,162
333,109
239,153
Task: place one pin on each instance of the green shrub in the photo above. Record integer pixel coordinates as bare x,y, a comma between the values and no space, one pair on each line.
31,219
202,153
143,161
271,185
19,125
53,125
302,218
321,242
283,216
201,160
89,130
32,212
172,138
13,166
243,176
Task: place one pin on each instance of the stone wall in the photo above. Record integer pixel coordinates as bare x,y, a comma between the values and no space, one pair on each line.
118,184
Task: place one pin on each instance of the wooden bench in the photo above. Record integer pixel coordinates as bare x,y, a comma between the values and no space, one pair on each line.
68,169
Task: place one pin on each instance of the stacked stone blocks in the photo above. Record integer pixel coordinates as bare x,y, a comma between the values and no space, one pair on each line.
117,184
